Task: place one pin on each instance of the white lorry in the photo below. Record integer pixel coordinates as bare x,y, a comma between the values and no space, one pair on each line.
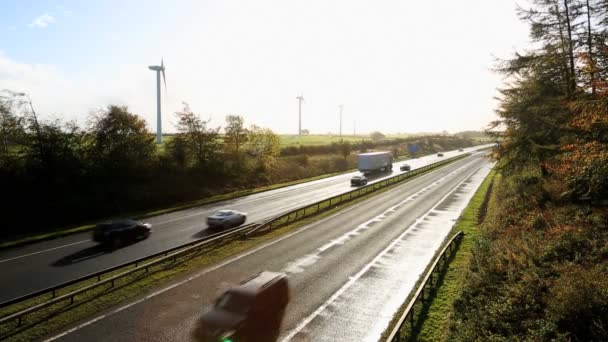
375,162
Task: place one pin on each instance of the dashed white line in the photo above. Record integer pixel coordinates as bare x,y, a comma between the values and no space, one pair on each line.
353,279
223,264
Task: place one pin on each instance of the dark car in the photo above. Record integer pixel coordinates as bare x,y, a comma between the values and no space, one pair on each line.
115,233
439,154
226,219
358,180
460,150
252,311
405,167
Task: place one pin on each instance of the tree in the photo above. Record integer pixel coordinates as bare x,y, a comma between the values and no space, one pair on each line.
121,142
202,143
236,136
345,148
264,145
376,136
11,128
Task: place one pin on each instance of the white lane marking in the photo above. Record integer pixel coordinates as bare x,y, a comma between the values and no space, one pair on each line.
354,278
220,265
43,251
299,265
281,191
205,211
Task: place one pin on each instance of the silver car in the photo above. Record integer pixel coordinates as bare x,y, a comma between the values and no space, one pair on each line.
226,219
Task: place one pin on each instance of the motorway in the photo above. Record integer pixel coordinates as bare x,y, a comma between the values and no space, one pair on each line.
348,272
40,265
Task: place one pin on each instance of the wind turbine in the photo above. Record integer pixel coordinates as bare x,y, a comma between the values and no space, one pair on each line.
159,68
300,100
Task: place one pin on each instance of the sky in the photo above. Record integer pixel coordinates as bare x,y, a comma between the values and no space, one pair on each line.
395,66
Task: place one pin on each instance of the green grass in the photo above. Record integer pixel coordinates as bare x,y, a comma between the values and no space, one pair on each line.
52,319
436,321
316,140
311,140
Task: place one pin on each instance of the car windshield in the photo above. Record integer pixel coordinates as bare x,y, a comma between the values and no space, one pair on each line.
223,213
234,302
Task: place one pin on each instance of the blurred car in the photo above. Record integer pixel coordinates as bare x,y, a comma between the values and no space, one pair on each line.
460,150
252,311
405,167
226,219
116,233
439,154
358,180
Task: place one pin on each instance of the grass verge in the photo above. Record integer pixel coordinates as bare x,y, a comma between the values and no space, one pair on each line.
434,316
61,315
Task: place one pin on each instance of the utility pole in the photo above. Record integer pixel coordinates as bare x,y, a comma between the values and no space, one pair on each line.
300,99
341,108
355,127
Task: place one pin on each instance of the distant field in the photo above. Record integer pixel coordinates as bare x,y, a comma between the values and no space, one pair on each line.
312,140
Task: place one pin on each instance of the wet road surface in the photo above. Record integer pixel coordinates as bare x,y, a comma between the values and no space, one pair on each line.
56,261
348,272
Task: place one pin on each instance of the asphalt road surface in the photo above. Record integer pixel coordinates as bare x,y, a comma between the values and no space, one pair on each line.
44,264
348,272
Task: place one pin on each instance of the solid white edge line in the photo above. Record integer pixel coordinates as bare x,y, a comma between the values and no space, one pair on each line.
179,218
353,279
43,251
222,264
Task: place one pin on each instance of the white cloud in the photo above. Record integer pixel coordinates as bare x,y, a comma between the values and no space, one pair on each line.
57,94
42,21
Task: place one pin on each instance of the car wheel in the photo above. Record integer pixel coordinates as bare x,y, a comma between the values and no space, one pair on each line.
242,220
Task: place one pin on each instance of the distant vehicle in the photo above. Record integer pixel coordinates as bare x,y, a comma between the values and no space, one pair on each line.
405,167
460,150
115,233
226,219
439,154
358,180
252,311
375,162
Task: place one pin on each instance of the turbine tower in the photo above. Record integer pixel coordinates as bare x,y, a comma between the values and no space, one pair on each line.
300,100
341,108
159,68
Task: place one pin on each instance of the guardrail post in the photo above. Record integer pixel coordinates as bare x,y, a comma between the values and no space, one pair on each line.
71,299
98,277
53,294
19,321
